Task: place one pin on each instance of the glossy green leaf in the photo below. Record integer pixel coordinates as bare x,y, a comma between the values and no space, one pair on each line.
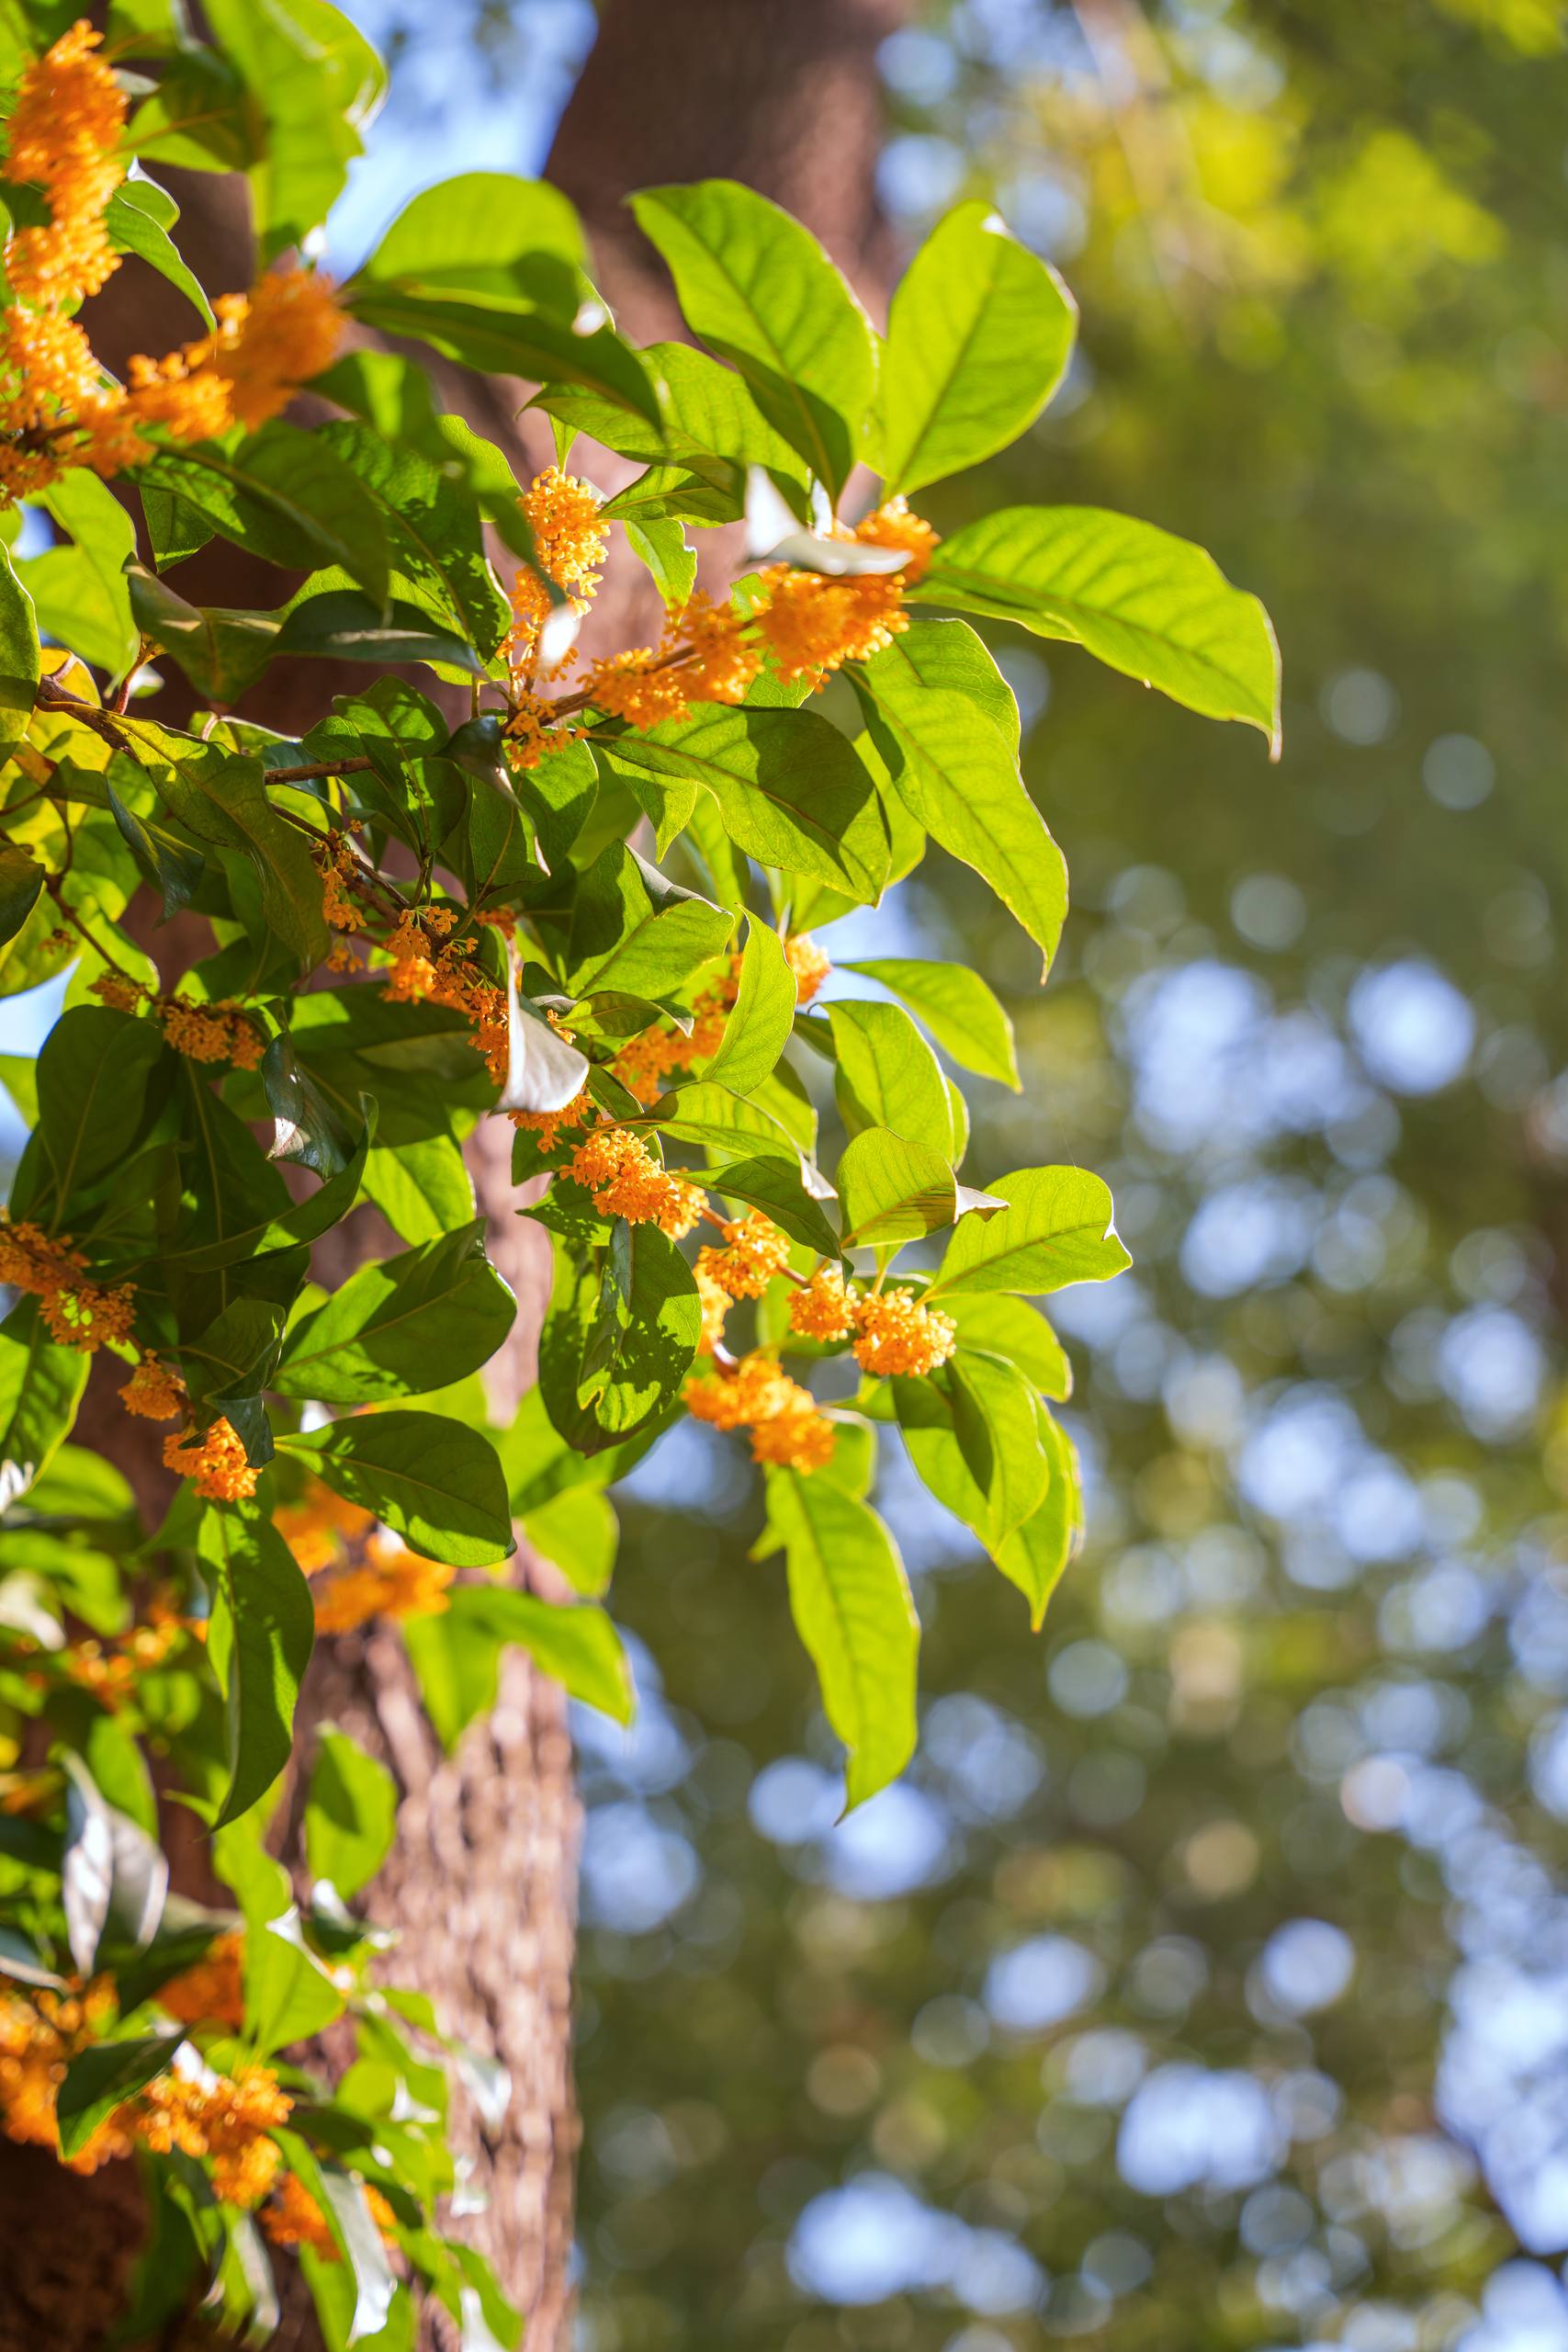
351,1813
169,862
422,1190
958,776
503,341
1144,601
791,792
956,1005
93,1078
978,335
894,1189
850,1599
401,1325
314,79
18,656
1035,1555
633,930
78,592
263,1629
21,885
285,495
758,290
136,224
886,1076
491,233
40,1388
1057,1228
577,1533
762,1017
437,1482
1003,1324
223,801
578,1647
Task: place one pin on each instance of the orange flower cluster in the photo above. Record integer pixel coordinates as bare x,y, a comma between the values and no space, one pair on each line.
77,1312
214,1460
292,2217
111,1674
223,2118
390,1581
562,513
581,1112
644,1060
812,625
153,1393
339,869
219,1032
715,1301
754,1252
320,1527
213,1992
625,1181
758,1395
705,655
899,1334
64,135
809,963
57,408
422,968
825,1308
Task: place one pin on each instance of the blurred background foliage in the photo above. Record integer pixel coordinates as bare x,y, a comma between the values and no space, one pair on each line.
1205,1982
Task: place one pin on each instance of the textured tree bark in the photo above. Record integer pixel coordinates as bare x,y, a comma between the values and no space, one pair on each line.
481,1883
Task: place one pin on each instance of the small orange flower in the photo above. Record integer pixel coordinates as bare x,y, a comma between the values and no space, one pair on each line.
581,1112
825,1308
77,1312
759,1389
153,1392
809,963
625,1181
214,1462
391,1581
754,1252
715,1302
212,1991
800,1441
899,1334
320,1526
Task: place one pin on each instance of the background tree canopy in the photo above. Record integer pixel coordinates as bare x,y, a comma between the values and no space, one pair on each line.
1203,1980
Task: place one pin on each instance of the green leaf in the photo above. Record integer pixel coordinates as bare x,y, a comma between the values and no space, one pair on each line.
762,1016
401,1325
435,534
500,341
887,1076
958,776
1056,1228
645,1335
633,930
726,1125
994,1417
1035,1557
578,1647
1003,1326
40,1388
19,657
79,592
790,790
262,1630
775,1185
437,1482
894,1189
21,883
102,2077
978,335
577,1531
1144,601
758,290
285,495
223,800
849,1598
371,2286
137,221
485,233
706,412
350,1812
956,1006
670,562
168,863
93,1079
313,79
422,1190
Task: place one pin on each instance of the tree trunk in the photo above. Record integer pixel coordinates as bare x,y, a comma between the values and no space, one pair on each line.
482,1882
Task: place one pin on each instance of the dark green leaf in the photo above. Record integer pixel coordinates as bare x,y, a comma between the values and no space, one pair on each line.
102,2077
500,341
21,883
262,1630
93,1079
351,1811
401,1325
437,1482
